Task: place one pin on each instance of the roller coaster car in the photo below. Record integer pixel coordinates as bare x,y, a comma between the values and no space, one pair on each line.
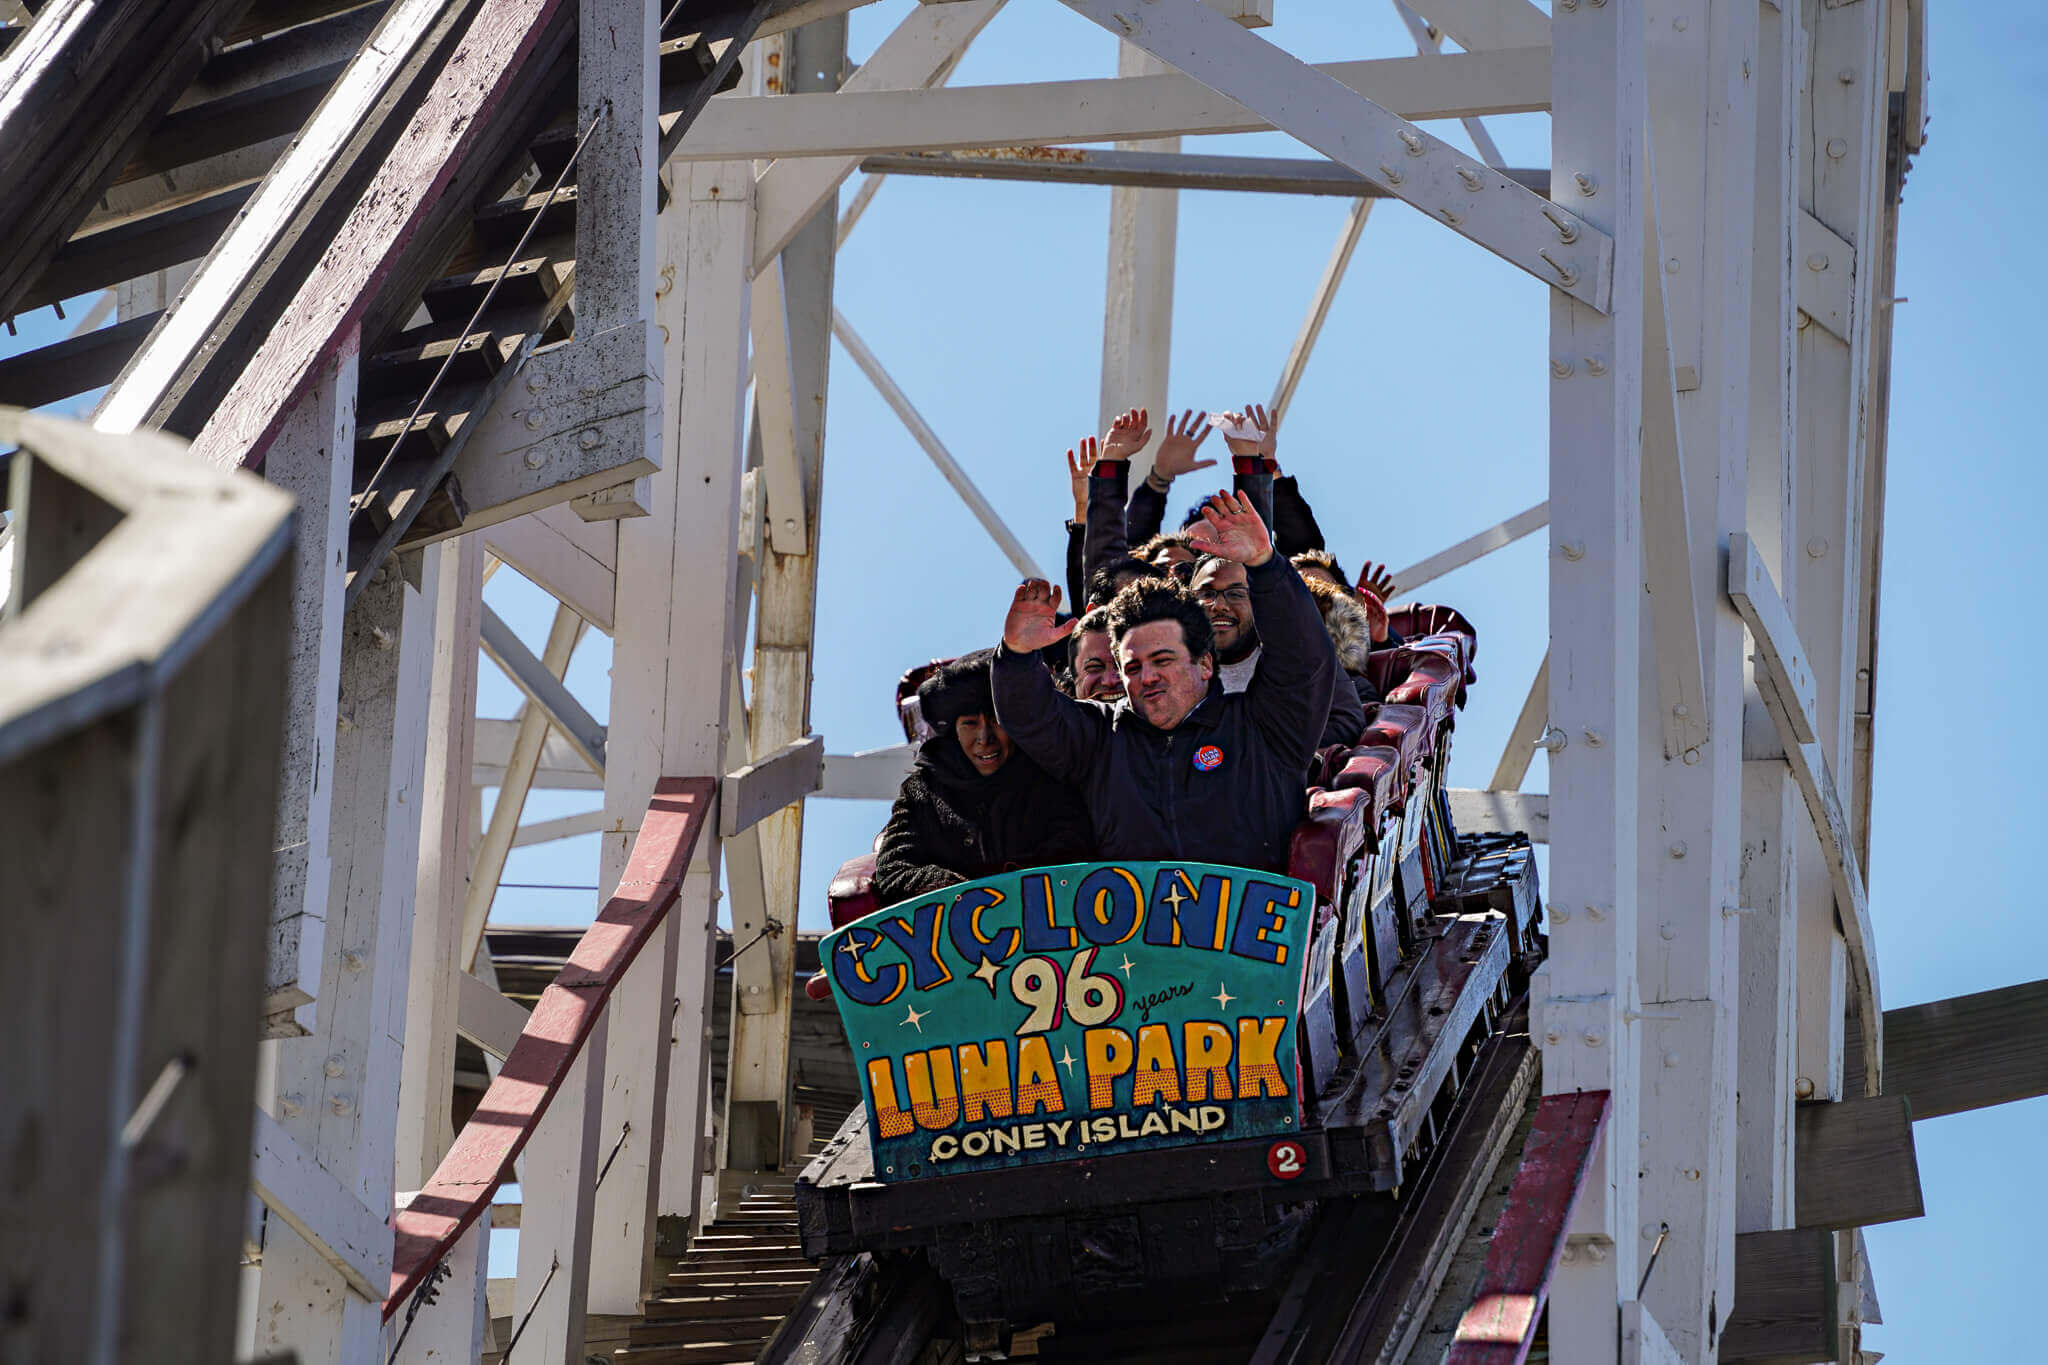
1176,1150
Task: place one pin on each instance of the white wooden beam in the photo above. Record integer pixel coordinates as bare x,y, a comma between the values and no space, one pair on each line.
1318,309
1548,241
1826,272
520,747
567,827
788,522
558,1190
1529,726
1765,615
1137,312
1668,556
337,1092
1452,85
928,440
1580,994
916,55
1755,594
313,458
870,775
753,793
345,1232
487,1018
1472,547
543,689
448,815
1430,38
570,557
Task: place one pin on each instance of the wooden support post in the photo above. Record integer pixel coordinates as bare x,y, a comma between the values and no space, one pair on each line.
558,1189
447,836
1857,1165
314,455
757,1068
337,1091
1581,994
1768,959
1701,104
1785,1296
1137,314
670,665
455,1329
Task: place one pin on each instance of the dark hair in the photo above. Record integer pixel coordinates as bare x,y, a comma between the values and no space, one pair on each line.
1102,583
1096,620
1324,560
959,687
1161,541
1155,599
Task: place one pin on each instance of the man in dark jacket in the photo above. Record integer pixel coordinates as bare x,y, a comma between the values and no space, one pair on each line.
1181,769
972,805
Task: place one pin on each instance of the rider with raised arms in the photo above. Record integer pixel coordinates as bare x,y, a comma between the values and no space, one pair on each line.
1180,769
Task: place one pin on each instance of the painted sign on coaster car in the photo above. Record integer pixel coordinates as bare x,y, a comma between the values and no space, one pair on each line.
1075,1011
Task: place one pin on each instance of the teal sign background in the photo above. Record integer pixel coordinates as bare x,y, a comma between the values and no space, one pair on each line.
1075,1011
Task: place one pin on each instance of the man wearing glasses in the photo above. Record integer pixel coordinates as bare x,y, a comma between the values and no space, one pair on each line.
1223,592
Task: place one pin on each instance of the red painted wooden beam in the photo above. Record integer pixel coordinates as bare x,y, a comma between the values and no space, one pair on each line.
1529,1238
481,1159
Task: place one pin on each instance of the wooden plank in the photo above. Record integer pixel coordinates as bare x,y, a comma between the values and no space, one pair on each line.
755,792
1474,547
1856,1163
320,1209
1476,25
870,775
1528,1241
1754,591
1131,108
548,1046
74,365
1784,1309
1966,1052
1542,237
1530,722
77,93
1825,269
567,827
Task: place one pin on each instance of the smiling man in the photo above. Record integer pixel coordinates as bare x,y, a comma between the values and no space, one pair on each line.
1181,768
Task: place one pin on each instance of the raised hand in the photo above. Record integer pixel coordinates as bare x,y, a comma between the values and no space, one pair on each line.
1232,529
1269,433
1127,435
1030,626
1078,470
1184,436
1376,580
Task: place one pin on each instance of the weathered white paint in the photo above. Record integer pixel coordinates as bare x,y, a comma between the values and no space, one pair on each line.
350,1236
337,1091
1580,995
570,557
447,834
1453,85
311,460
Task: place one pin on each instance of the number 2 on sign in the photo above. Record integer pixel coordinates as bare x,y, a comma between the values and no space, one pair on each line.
1085,998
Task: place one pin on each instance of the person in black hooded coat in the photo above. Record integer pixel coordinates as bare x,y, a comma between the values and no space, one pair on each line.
973,804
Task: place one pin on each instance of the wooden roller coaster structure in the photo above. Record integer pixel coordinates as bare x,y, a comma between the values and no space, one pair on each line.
391,292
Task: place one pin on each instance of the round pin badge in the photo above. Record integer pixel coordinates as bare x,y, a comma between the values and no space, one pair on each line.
1208,758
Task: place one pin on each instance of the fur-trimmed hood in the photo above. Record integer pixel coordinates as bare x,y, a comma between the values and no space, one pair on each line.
1347,621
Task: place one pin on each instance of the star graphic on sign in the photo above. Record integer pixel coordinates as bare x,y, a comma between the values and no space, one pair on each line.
1223,997
1174,898
1126,967
849,947
985,974
914,1017
1067,1059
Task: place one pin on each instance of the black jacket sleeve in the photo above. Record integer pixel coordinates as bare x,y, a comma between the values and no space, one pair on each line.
1144,513
1346,722
1077,572
1290,693
904,865
1249,478
1294,525
1105,542
1061,735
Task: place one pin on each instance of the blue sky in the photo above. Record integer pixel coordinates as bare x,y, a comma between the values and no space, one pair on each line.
1423,413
